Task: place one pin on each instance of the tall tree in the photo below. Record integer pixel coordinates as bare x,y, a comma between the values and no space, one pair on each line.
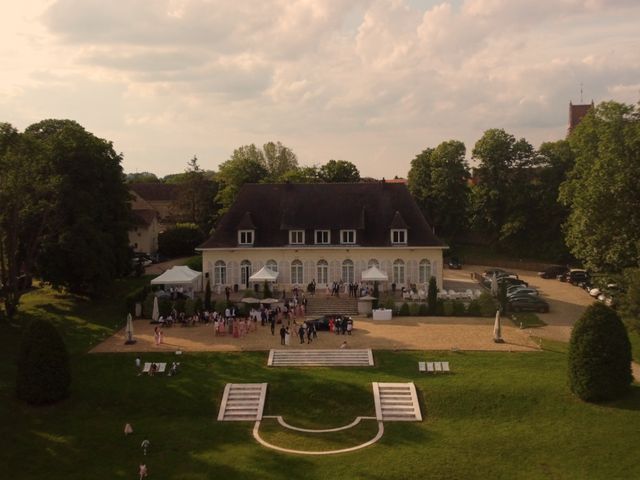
438,180
339,171
142,177
603,191
504,176
85,245
246,165
279,160
196,192
27,187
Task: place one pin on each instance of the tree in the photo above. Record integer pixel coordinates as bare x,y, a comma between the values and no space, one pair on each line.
142,177
438,181
180,240
501,198
85,244
602,191
27,193
302,175
279,160
599,355
246,165
207,296
339,171
432,296
195,198
43,375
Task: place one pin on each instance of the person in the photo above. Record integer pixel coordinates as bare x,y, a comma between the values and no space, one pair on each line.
173,370
301,334
138,363
128,429
282,334
344,345
143,471
349,326
153,369
272,322
145,446
287,336
227,293
160,337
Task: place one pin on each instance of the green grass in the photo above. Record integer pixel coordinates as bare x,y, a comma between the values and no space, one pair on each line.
634,336
499,415
526,320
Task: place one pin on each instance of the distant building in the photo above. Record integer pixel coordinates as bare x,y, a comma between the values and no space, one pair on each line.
577,113
324,233
143,236
160,197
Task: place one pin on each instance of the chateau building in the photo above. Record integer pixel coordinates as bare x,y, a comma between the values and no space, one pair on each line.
324,233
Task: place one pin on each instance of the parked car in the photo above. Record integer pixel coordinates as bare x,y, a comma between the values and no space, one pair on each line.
454,263
576,276
509,281
492,271
553,271
523,291
515,288
142,259
529,303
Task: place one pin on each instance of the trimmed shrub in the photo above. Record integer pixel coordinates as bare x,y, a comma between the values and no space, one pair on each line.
432,296
458,308
189,308
197,304
414,309
473,309
266,290
487,305
207,296
599,355
180,305
180,240
376,293
439,307
164,306
423,311
44,374
404,310
195,263
447,308
390,303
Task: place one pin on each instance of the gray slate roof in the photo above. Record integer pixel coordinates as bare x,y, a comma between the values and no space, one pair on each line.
369,208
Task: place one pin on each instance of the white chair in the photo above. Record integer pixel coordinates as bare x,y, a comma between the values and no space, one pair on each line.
147,367
445,367
162,367
430,367
422,367
438,366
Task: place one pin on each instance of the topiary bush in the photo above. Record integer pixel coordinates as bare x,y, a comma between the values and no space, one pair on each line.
599,355
197,304
423,311
447,308
164,306
207,296
432,296
404,310
458,308
189,307
44,375
414,309
473,309
488,305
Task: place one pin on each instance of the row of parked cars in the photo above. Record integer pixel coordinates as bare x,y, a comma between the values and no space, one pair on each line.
520,296
605,293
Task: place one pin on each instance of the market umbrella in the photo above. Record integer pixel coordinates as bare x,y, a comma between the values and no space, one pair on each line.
156,310
494,285
250,300
268,300
497,331
129,331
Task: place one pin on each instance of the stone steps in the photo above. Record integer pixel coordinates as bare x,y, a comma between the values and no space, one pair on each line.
242,402
322,305
396,402
321,358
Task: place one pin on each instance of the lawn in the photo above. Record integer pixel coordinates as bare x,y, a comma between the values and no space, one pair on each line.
499,415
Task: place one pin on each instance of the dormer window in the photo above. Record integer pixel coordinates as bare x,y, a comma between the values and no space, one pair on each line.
323,237
296,237
347,237
398,236
245,237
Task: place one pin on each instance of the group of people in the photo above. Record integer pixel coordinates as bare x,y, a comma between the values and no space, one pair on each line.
341,325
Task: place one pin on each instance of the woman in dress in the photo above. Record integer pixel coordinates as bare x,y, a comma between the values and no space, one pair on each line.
287,336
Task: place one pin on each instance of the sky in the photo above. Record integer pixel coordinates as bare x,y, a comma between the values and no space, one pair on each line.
373,82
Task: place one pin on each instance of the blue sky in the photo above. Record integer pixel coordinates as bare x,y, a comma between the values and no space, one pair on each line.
369,81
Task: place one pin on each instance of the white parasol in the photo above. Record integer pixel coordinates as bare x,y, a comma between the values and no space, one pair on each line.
156,310
129,331
497,331
494,285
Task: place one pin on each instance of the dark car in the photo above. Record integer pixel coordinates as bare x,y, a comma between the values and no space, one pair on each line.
577,276
509,281
493,271
553,271
454,263
527,303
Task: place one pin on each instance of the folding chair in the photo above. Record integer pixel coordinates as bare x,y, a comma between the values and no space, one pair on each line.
445,367
438,367
422,367
430,367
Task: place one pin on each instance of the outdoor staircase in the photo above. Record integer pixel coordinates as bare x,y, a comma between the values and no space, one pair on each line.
396,402
242,402
321,358
319,305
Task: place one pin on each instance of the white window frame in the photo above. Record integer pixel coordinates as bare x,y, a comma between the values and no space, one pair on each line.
347,233
250,233
220,273
272,265
424,271
400,233
297,272
322,269
294,233
317,232
348,271
399,272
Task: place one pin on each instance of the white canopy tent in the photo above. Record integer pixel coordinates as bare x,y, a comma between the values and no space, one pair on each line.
264,274
181,277
374,274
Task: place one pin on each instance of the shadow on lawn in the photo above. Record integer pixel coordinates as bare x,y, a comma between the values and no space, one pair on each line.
629,402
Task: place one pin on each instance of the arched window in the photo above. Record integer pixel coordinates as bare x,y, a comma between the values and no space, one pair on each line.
373,263
220,273
272,265
347,271
323,272
398,272
296,272
245,272
424,271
